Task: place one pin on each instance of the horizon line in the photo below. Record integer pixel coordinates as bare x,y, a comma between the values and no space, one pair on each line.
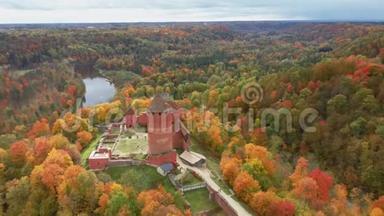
200,21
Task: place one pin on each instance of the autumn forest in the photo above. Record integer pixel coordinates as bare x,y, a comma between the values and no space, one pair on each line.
289,116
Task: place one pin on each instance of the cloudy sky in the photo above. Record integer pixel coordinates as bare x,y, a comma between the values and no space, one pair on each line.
53,11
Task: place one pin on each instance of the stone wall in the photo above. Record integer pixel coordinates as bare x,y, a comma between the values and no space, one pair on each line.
215,196
157,160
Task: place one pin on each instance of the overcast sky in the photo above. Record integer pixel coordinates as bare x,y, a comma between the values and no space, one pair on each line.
53,11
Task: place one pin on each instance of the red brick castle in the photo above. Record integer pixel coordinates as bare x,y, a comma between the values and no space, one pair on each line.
166,132
165,129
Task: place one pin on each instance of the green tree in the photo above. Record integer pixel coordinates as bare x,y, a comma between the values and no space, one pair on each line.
121,202
358,126
337,104
17,193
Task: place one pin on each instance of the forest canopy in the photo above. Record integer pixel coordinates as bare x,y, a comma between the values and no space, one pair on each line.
336,69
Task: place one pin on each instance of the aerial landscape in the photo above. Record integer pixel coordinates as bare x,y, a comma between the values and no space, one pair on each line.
267,108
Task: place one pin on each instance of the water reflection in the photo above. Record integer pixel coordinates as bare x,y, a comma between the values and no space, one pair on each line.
97,90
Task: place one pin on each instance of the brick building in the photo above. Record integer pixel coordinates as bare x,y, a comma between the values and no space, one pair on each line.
166,132
99,159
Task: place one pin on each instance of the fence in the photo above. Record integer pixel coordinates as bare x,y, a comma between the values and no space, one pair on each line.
193,187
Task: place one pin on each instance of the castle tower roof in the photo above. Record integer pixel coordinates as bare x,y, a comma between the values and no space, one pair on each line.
130,111
160,104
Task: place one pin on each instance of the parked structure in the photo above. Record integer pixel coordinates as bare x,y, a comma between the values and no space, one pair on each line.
165,169
193,158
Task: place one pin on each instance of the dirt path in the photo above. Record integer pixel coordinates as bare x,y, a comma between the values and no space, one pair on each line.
205,174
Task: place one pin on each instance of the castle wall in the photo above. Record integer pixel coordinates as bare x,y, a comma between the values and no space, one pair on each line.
142,119
159,143
178,140
130,120
160,122
158,160
98,163
164,131
215,196
160,133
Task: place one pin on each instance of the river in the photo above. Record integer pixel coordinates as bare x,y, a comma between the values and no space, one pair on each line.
98,90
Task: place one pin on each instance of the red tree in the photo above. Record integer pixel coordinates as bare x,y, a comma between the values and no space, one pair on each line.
324,181
18,151
71,90
39,128
379,203
41,149
282,208
289,88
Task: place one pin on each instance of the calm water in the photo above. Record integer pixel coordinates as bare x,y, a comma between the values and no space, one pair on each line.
98,90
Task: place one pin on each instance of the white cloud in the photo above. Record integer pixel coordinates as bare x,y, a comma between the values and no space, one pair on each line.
40,11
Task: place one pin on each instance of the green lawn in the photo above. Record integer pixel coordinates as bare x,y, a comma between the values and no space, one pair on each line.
190,179
199,200
140,177
131,146
88,150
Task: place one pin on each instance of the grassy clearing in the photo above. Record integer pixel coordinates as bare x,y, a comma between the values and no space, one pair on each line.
88,150
134,145
190,179
140,177
199,200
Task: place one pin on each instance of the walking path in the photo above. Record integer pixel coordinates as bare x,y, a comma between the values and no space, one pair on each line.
205,174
